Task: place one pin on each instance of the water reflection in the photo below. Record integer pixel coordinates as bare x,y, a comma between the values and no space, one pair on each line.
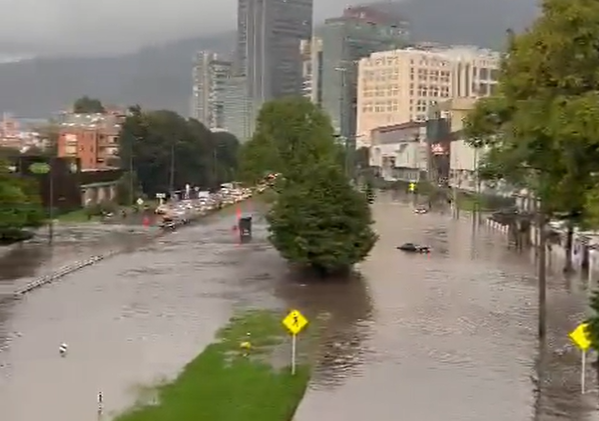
5,306
21,261
344,309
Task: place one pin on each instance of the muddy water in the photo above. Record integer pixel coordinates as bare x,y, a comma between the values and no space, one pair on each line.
20,263
448,336
441,337
128,321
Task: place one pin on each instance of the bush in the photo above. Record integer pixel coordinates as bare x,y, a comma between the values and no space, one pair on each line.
322,222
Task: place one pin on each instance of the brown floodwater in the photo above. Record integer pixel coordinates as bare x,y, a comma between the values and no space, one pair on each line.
447,336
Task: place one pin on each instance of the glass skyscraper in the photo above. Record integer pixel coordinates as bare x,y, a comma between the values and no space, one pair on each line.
269,33
359,32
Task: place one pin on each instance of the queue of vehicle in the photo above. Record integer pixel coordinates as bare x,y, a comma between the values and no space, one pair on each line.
179,212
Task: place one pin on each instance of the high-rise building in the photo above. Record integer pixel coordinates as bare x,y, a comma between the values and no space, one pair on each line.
237,113
398,86
269,33
360,31
210,74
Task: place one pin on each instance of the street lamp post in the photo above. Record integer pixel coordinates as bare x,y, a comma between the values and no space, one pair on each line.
346,110
51,200
131,192
172,170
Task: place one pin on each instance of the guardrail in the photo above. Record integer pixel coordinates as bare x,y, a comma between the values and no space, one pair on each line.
61,272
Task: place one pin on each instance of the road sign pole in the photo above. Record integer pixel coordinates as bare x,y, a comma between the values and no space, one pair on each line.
293,353
583,370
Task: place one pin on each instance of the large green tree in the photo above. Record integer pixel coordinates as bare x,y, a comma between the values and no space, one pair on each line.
87,105
318,219
20,205
162,146
290,132
322,222
541,125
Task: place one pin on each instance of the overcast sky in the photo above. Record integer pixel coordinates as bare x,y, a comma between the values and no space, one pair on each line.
103,26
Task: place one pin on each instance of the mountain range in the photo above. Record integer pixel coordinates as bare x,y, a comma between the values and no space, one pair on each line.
160,76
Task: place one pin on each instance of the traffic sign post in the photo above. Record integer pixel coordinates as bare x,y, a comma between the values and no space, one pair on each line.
295,322
580,337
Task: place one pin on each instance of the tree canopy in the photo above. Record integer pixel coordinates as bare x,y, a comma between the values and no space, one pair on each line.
87,105
291,133
154,142
317,220
540,127
20,204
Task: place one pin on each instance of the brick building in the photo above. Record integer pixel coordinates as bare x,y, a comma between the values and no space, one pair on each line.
93,138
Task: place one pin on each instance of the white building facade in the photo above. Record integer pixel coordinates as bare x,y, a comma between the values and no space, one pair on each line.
403,85
400,152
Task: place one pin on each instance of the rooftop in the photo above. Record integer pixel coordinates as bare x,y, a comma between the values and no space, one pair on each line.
97,120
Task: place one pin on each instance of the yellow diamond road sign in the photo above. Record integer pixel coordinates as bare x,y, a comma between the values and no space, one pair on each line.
580,337
295,322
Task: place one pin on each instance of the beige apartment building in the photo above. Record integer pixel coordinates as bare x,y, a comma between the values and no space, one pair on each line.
311,53
403,85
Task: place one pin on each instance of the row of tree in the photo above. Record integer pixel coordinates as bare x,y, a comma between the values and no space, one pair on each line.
166,151
159,149
318,219
540,130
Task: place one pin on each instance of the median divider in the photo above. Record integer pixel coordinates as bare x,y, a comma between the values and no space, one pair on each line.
73,267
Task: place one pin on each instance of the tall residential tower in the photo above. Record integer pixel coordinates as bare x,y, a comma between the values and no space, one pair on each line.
210,75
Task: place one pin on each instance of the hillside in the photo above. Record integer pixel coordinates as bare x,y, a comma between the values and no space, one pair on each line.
156,77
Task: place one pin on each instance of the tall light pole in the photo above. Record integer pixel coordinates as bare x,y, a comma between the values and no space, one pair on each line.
172,170
131,192
346,110
51,213
215,164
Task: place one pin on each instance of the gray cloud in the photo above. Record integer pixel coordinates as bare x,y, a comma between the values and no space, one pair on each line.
107,26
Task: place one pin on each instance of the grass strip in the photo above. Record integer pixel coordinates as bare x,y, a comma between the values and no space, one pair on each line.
228,383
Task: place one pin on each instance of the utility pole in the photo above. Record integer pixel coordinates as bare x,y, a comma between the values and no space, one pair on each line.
172,171
131,192
542,304
215,165
51,211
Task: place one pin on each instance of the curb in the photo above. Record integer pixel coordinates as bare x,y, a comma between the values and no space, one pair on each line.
73,267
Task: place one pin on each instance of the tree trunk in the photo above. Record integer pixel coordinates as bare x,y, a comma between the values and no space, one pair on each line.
569,247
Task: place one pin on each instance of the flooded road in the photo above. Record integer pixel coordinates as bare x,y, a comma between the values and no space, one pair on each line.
450,336
129,322
20,263
447,336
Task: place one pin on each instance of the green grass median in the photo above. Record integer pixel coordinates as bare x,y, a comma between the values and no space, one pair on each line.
227,382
